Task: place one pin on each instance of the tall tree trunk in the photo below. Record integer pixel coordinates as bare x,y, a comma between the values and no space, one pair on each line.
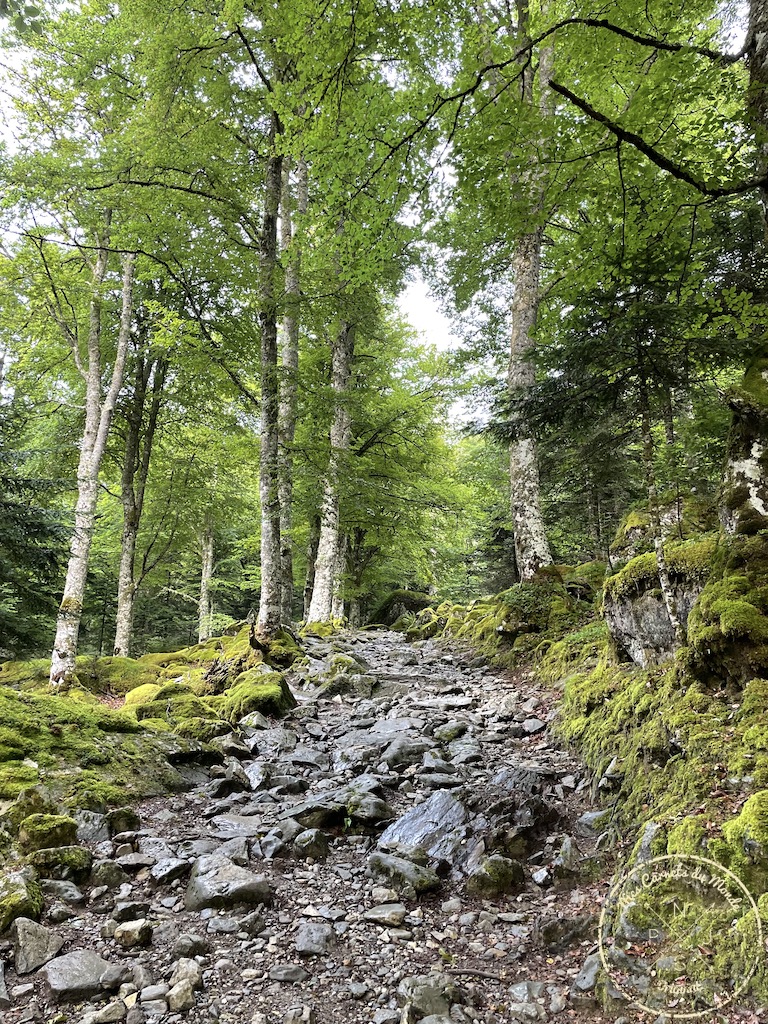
649,455
138,453
312,545
321,606
204,607
269,484
98,418
757,45
531,545
337,605
288,390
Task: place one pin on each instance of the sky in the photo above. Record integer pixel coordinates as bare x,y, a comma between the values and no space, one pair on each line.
423,313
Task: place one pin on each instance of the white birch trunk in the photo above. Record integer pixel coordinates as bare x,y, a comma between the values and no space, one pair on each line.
98,419
326,563
204,607
288,389
269,486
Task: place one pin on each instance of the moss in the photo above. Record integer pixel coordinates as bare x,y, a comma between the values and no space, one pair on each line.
202,729
43,831
284,649
576,650
71,862
143,694
254,692
27,674
19,897
689,836
691,560
319,629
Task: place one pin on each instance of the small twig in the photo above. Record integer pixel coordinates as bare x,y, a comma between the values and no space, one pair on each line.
471,973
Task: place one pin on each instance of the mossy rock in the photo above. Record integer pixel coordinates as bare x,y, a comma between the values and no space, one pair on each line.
25,674
399,605
691,561
202,729
44,831
143,694
254,691
65,862
19,897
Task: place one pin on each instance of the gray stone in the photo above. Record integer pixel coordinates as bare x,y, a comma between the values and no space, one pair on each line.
427,994
533,725
593,822
130,934
181,997
387,914
639,621
115,976
401,872
33,945
168,869
290,973
311,843
587,977
236,850
75,975
152,992
300,1015
108,1014
439,825
496,876
567,862
17,899
5,1000
526,991
217,882
189,944
313,938
406,750
233,826
130,910
107,872
67,892
644,851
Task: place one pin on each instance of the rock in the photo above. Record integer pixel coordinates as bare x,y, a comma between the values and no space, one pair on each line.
556,933
67,862
400,872
92,827
123,819
217,882
439,825
45,831
168,869
427,994
188,970
130,911
5,1000
406,750
115,976
108,1014
496,876
290,973
181,997
593,822
133,933
300,1015
236,850
61,890
19,897
33,945
107,872
533,725
311,843
313,938
567,862
75,975
387,914
586,980
189,944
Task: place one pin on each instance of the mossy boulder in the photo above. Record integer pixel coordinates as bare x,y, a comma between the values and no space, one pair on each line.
634,606
744,494
681,519
43,831
19,897
255,690
728,628
143,694
496,876
72,863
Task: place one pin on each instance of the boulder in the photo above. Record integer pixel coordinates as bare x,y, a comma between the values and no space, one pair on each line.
19,897
75,975
496,876
217,882
33,945
399,872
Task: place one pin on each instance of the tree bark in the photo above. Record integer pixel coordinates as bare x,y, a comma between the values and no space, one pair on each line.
98,418
649,454
531,545
326,565
138,453
312,544
204,607
288,390
757,44
269,484
337,605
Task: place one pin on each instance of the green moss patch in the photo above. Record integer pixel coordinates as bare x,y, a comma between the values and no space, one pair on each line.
44,831
691,561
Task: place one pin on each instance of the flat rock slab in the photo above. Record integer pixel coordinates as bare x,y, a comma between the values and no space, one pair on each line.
438,826
33,945
236,826
75,975
217,882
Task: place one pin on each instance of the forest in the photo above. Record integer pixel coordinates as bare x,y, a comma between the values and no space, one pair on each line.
220,436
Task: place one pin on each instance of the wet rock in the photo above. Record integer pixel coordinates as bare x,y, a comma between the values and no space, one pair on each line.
75,975
496,876
439,825
217,882
400,872
33,945
313,938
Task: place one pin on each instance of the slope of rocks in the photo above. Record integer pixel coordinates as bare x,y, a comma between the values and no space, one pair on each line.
409,844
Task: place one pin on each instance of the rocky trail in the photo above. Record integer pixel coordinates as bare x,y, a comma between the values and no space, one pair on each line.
409,844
